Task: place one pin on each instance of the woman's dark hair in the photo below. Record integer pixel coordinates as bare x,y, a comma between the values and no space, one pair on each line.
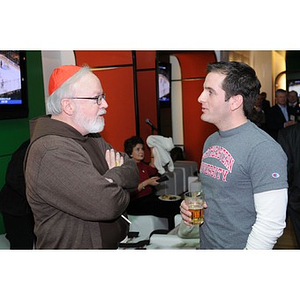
130,143
240,80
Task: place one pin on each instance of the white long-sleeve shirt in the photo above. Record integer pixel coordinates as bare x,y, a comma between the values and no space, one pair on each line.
270,222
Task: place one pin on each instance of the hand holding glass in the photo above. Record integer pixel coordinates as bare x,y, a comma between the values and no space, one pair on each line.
195,203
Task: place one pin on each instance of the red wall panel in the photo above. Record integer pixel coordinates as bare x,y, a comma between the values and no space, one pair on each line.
145,60
120,122
193,64
147,95
195,131
117,83
147,101
103,58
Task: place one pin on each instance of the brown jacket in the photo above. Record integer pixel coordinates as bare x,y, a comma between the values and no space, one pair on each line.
74,206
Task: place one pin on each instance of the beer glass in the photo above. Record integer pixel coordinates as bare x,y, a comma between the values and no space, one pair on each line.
195,202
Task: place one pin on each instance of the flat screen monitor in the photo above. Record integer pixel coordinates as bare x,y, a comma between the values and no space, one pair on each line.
164,83
13,85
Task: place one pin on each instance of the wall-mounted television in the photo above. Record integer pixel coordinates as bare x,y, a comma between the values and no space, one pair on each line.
164,83
13,85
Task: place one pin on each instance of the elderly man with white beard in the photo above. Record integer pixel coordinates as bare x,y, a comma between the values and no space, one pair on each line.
76,184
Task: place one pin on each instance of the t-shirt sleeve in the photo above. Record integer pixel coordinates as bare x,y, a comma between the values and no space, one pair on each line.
268,167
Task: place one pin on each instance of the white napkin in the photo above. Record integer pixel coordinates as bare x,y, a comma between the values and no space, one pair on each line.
161,152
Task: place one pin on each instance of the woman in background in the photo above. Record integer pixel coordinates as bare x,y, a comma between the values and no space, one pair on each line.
144,200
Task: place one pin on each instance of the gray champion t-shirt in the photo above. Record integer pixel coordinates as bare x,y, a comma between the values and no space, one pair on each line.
236,164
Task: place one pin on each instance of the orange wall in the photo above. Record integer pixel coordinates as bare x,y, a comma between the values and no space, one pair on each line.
103,58
120,121
147,101
119,83
145,60
195,131
147,93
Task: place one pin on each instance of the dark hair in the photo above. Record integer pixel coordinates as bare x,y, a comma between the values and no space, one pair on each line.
130,143
280,91
240,80
293,91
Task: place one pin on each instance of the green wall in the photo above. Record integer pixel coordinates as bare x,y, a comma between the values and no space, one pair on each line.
14,132
292,65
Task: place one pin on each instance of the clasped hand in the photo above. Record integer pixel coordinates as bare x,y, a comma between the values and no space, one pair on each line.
113,159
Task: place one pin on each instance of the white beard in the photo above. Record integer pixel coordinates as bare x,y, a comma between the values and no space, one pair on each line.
90,125
95,126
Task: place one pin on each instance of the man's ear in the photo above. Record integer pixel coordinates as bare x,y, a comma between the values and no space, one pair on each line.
236,102
67,106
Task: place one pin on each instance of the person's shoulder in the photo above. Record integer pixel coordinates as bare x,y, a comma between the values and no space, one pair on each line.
213,135
145,165
22,149
54,142
273,108
211,139
259,136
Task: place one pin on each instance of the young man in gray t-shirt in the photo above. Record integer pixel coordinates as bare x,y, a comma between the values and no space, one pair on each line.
243,170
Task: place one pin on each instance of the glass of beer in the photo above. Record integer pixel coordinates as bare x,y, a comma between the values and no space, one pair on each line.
195,202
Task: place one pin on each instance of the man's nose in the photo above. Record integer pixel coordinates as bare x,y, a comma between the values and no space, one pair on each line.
200,98
104,104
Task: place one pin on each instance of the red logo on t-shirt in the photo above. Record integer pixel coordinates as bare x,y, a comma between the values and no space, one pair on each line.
222,155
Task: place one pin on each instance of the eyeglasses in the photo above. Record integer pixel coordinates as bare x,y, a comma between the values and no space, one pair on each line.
98,99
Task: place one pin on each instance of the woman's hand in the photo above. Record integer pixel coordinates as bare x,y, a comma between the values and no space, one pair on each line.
152,181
